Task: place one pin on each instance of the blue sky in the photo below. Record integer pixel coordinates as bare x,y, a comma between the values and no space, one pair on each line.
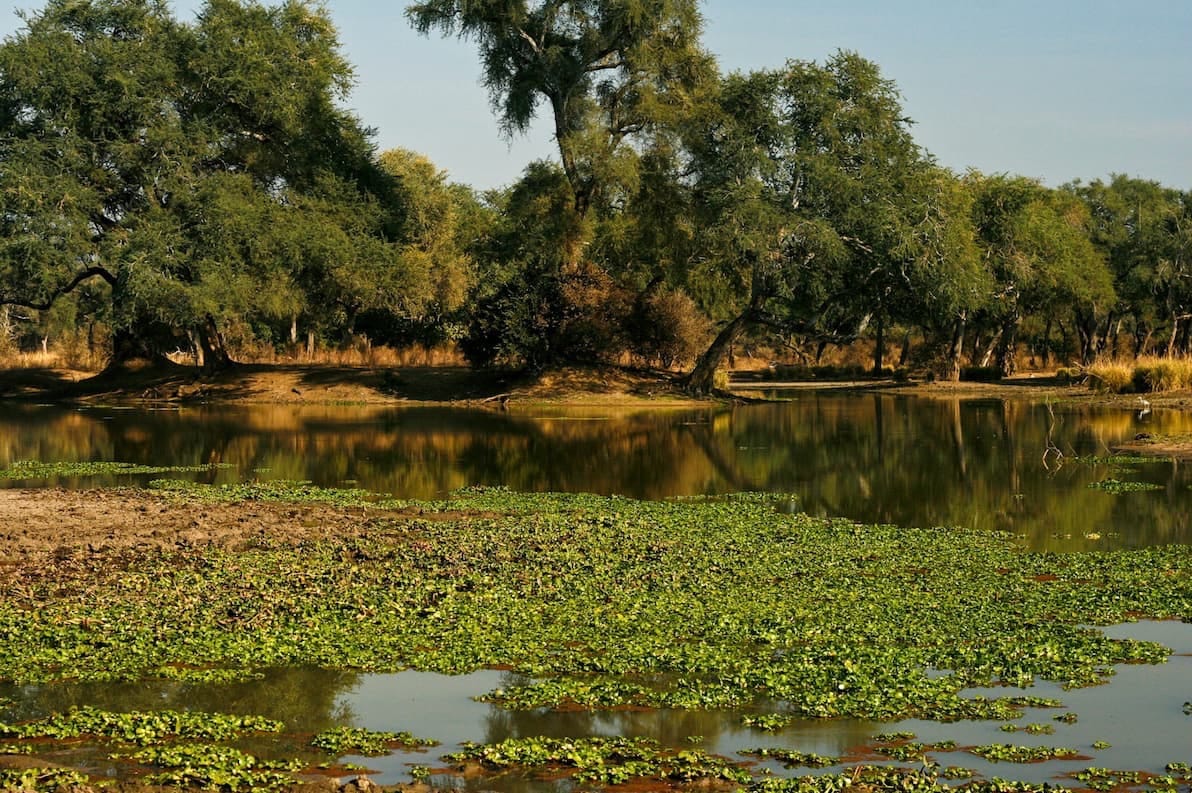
1055,89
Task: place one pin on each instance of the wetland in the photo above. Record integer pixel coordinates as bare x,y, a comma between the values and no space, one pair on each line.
871,590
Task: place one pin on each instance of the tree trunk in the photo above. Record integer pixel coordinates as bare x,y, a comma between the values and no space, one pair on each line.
294,329
700,381
310,343
905,355
1175,332
956,349
992,346
215,354
196,347
1006,347
879,347
1047,343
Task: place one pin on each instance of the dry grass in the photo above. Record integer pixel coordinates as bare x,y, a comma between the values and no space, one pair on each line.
1148,374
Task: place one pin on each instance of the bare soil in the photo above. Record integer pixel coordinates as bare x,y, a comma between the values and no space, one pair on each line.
321,384
35,523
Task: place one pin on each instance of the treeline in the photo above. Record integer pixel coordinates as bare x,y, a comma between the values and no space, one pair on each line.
175,185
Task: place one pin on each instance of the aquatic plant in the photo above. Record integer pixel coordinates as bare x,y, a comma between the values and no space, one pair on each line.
1021,754
584,596
370,743
609,761
140,728
1117,486
791,758
33,469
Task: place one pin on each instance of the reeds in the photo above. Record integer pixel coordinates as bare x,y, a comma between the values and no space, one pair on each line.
1143,375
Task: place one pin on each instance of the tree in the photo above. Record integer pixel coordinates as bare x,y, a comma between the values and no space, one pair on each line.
1036,246
615,77
1130,224
173,162
801,183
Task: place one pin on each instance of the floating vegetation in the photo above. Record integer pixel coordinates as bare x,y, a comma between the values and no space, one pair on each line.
280,490
608,761
1066,718
1108,778
22,779
32,469
791,758
915,750
355,740
1124,460
214,767
884,779
768,722
140,728
1116,486
584,595
1022,754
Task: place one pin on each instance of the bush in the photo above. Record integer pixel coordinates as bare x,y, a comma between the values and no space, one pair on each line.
1114,377
668,327
541,320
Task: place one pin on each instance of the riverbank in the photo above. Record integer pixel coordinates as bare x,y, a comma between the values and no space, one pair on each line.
322,384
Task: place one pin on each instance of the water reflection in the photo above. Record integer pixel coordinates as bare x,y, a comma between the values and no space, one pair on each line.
1139,714
872,457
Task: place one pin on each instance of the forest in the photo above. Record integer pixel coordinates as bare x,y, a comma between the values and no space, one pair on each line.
200,187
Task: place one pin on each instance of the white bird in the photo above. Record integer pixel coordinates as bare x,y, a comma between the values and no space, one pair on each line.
1146,407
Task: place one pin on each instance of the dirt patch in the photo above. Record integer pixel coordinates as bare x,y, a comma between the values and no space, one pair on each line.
46,522
1177,446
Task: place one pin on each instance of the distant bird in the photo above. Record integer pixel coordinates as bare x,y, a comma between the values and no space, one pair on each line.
296,391
1146,407
1145,403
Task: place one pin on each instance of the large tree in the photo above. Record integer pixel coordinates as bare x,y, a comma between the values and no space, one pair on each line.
805,182
173,162
1035,243
614,77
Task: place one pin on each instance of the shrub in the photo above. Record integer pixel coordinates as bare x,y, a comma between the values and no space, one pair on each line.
668,327
1114,377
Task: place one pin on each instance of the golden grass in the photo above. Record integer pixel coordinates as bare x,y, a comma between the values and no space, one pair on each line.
1146,374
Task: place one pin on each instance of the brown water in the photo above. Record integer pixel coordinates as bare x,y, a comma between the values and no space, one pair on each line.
873,457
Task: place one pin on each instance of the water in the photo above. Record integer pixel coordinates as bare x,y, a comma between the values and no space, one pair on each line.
873,457
1139,713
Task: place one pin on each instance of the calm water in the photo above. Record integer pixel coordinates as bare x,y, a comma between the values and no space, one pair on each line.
1139,713
871,457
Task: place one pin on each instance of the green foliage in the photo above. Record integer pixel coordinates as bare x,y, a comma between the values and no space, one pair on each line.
283,490
197,172
32,469
791,758
140,728
768,722
37,779
608,761
585,594
355,740
214,768
1021,754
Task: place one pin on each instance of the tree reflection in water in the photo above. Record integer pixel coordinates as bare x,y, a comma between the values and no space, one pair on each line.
871,457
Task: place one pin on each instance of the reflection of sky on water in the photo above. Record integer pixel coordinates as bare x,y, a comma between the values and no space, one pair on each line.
1139,713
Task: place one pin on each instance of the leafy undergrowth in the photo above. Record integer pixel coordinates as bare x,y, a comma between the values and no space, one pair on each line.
606,602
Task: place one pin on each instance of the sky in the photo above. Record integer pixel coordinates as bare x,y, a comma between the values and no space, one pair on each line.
1053,89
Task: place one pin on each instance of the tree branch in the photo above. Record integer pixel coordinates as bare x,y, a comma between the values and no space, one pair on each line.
85,275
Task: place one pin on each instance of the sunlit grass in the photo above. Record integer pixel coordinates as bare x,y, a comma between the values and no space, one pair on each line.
1149,374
